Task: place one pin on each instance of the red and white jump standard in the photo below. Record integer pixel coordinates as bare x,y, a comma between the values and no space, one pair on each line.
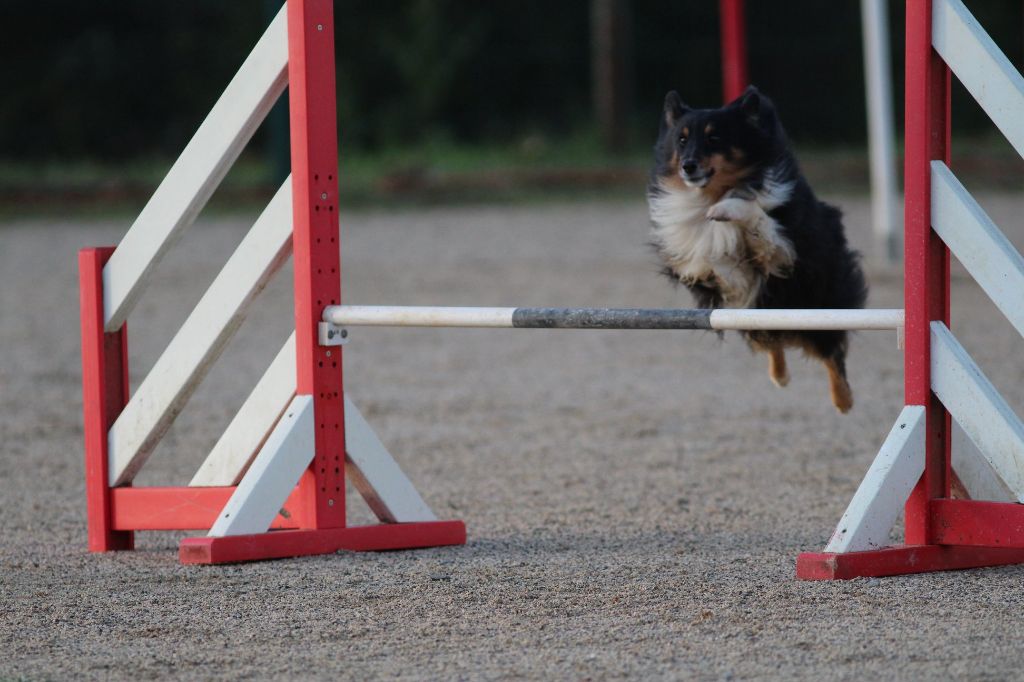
282,462
274,484
915,463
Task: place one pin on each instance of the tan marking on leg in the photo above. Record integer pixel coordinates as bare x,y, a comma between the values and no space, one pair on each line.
777,369
839,388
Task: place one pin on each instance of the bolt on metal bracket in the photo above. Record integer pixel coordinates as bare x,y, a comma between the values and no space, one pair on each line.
330,334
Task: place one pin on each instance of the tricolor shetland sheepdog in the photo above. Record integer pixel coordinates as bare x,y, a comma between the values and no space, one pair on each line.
736,222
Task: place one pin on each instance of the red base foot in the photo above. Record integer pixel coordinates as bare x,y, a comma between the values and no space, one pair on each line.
292,543
901,561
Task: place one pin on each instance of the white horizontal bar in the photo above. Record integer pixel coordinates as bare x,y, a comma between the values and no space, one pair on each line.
976,405
430,316
417,316
273,474
806,320
197,172
200,339
880,497
978,244
981,66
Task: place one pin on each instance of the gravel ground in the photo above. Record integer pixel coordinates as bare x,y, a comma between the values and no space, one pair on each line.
635,500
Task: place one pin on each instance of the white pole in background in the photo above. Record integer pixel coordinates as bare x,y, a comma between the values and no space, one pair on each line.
881,132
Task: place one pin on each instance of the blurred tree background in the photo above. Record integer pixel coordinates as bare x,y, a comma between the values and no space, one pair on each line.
118,82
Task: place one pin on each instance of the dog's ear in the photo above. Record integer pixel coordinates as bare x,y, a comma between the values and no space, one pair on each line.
674,110
756,108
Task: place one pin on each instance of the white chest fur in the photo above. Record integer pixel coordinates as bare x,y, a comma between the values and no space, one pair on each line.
699,249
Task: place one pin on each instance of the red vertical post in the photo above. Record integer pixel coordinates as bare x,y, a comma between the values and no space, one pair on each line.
926,258
735,76
314,150
104,394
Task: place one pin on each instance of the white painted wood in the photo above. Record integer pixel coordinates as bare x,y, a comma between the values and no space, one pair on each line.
417,316
273,474
200,340
975,472
437,316
242,439
981,66
880,498
375,474
978,244
976,404
373,471
197,172
881,130
738,319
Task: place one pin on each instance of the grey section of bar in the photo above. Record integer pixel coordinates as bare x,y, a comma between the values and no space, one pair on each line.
611,318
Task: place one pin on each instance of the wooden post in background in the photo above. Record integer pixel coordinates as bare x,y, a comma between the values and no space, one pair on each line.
611,30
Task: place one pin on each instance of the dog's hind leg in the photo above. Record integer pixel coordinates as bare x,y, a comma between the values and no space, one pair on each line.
830,348
770,344
777,369
839,387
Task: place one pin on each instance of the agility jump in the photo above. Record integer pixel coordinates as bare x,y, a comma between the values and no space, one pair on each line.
274,484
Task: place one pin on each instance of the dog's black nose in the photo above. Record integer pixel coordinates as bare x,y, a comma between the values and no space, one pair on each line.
689,167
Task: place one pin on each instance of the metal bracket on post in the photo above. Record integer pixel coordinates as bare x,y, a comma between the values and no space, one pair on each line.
330,334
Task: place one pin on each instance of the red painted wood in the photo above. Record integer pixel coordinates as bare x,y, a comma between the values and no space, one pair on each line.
305,542
104,394
735,78
977,523
179,508
926,258
901,561
314,149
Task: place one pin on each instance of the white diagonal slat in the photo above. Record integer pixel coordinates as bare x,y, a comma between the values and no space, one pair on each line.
979,409
197,172
246,433
978,244
981,66
892,476
975,472
273,475
200,340
373,471
376,475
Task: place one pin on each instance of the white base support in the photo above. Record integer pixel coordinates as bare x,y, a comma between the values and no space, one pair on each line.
273,474
892,476
376,475
374,472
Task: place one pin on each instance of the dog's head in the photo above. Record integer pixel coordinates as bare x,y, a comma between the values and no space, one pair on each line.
712,150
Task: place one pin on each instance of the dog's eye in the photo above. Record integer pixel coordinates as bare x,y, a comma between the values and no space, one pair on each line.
682,139
714,138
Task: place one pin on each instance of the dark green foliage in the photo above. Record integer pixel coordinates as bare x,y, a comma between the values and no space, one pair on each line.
123,79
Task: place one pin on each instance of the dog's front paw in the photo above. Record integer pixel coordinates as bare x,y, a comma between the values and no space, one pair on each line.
774,261
741,192
731,210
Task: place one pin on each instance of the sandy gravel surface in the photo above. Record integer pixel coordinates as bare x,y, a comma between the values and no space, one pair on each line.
635,500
